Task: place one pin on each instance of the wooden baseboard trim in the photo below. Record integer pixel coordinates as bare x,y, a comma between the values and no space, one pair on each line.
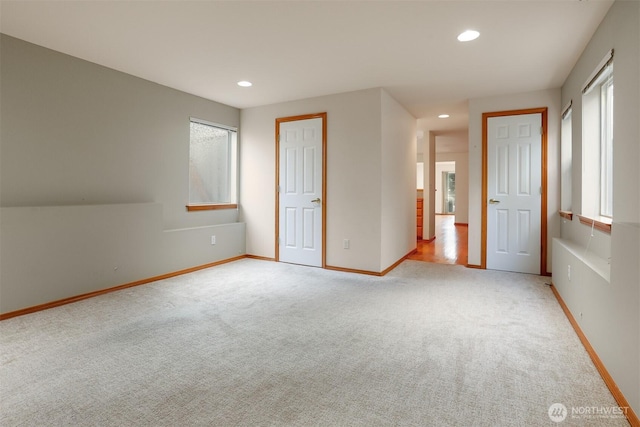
397,263
462,224
474,266
608,380
261,258
88,295
372,273
352,270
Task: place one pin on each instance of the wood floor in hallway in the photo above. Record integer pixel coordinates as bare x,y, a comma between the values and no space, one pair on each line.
449,246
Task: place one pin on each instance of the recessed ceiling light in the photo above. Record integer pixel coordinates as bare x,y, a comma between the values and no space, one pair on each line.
468,35
244,83
443,116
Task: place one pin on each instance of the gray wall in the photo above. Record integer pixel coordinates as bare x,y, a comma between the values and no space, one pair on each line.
87,152
608,311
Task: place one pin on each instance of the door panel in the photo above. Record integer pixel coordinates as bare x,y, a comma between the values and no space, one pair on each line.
300,186
514,180
502,229
290,227
308,215
524,170
290,170
310,181
502,170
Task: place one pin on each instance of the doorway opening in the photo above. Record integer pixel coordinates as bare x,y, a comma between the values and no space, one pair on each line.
448,192
450,245
445,188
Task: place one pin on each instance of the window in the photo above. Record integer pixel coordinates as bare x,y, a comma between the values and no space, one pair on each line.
212,166
565,159
597,143
606,148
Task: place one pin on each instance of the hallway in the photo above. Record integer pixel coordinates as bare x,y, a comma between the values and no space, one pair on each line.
449,246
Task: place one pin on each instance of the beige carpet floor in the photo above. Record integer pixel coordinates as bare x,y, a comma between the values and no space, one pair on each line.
256,343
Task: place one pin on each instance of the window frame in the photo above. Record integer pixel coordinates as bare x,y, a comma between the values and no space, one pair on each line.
596,126
606,146
232,166
566,158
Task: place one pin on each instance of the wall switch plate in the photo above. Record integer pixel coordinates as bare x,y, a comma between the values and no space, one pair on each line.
213,240
345,243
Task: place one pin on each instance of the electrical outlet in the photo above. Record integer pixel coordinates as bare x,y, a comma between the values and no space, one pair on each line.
569,272
345,243
213,240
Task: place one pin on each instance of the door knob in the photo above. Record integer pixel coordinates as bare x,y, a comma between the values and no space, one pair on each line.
494,201
316,200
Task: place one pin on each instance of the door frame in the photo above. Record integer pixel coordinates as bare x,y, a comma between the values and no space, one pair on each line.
543,111
279,120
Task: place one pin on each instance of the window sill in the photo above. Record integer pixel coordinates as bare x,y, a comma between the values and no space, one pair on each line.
566,215
193,208
599,223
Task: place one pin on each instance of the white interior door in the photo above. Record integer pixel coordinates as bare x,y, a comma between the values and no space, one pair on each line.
514,192
300,192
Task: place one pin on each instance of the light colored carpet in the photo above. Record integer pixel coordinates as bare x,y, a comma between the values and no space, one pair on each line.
256,343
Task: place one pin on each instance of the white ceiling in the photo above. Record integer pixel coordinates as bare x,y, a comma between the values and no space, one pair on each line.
300,49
